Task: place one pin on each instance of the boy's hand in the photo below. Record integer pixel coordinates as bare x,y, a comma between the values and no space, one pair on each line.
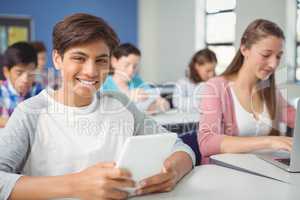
162,182
102,181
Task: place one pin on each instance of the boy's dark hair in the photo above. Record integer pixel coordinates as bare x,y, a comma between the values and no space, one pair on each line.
82,28
19,53
39,46
125,50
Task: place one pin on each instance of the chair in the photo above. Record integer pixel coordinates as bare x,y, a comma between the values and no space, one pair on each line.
190,138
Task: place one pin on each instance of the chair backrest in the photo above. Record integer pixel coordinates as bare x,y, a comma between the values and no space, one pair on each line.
166,91
190,138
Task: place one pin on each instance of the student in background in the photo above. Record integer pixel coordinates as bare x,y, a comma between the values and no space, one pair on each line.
44,75
124,61
187,93
64,141
242,109
19,64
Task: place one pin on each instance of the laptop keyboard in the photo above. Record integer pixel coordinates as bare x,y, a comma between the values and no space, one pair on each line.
285,161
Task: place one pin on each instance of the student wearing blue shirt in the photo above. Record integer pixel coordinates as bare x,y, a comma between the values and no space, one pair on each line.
135,82
19,64
124,62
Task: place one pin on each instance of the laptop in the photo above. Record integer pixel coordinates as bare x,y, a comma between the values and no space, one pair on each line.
287,161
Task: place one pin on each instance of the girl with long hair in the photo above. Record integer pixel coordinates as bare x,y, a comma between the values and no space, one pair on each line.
241,110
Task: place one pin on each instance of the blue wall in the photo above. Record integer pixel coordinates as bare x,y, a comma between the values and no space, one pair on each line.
120,14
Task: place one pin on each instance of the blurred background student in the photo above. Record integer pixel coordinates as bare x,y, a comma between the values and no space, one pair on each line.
19,65
46,76
187,93
124,63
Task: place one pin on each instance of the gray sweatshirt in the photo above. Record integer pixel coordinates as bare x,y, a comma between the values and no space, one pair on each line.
46,138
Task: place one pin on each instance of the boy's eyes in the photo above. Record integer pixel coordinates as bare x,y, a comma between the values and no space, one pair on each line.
19,72
79,59
102,61
82,59
30,73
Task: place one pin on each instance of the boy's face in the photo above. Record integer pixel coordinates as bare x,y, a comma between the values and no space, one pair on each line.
21,77
83,68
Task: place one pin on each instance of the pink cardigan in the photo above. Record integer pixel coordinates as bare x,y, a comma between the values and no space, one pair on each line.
218,117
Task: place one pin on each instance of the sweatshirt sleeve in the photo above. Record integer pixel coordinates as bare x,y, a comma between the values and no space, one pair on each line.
14,148
210,135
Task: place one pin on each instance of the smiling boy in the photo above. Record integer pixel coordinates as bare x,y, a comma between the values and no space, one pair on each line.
64,142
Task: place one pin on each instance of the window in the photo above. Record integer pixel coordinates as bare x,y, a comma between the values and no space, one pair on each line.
14,29
220,30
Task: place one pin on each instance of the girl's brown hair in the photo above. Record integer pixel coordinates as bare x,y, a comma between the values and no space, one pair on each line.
200,57
38,46
256,31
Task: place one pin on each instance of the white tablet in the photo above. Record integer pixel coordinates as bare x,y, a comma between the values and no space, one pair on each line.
144,155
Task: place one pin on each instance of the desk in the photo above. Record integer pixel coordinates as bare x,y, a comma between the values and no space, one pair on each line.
177,121
252,164
211,182
176,117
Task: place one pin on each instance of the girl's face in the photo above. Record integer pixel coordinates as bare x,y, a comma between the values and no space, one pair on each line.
126,66
206,70
83,68
263,57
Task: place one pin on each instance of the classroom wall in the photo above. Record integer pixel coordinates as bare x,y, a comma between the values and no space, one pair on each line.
121,15
179,26
167,38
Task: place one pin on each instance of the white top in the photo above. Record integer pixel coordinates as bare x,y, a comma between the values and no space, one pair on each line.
247,124
187,95
69,139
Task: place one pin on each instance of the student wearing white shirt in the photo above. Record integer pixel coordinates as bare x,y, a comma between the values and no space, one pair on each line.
62,143
187,91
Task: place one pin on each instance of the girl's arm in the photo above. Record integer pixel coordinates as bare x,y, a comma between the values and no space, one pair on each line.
236,144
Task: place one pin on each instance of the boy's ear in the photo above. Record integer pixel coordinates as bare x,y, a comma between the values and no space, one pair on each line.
6,72
57,59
